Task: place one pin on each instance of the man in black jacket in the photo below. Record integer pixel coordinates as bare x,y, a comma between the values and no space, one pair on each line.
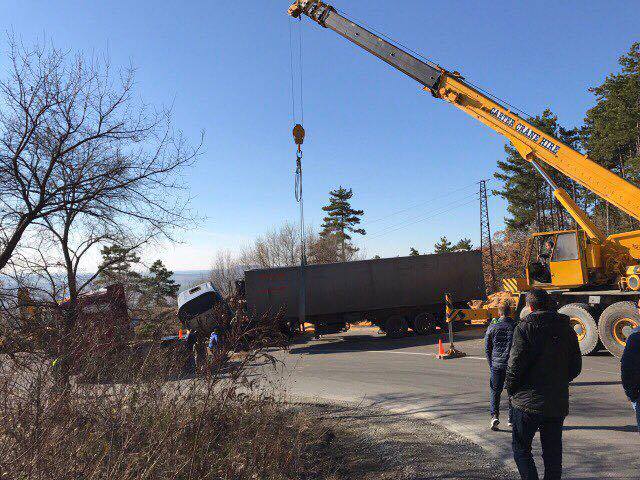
630,369
497,344
545,357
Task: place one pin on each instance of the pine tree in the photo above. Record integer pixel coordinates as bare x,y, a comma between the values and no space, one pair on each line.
443,246
463,245
341,221
413,252
159,285
611,134
116,267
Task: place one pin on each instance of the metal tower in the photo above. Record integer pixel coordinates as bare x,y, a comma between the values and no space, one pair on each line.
485,236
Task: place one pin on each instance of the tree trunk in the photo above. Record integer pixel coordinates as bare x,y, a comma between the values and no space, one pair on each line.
10,247
70,340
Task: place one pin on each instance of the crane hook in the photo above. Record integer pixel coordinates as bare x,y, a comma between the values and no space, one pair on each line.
298,136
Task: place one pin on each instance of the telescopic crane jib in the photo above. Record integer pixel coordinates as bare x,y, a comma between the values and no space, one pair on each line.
593,275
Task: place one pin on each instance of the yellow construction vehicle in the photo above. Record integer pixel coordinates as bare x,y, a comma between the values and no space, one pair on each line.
595,278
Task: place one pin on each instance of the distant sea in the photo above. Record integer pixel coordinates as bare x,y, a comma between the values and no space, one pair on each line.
185,278
189,278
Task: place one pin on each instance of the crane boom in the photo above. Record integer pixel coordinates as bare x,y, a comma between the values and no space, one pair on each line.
530,142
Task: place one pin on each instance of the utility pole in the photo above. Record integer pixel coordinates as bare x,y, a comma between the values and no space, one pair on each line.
486,246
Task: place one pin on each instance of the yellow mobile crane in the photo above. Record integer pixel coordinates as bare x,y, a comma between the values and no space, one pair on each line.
595,278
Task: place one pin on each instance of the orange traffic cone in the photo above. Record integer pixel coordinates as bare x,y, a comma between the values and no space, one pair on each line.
180,334
440,348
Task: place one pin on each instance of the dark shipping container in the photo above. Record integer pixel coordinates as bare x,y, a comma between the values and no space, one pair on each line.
375,290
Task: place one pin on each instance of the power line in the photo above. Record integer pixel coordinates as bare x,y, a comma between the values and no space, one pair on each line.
411,220
449,208
411,207
428,217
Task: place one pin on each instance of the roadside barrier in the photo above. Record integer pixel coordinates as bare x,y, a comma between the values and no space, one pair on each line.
452,352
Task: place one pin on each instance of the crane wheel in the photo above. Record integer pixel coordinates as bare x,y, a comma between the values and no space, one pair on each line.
395,326
615,325
424,323
583,324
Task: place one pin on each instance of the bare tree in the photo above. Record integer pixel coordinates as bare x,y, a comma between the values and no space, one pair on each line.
225,270
82,164
326,249
75,143
280,247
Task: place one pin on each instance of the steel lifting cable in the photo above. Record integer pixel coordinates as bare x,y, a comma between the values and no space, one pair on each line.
295,107
301,70
297,184
298,129
298,137
291,69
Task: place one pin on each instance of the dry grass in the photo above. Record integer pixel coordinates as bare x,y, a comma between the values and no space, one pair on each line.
150,430
140,418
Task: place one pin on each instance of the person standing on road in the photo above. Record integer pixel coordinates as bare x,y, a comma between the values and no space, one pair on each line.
497,345
545,358
630,370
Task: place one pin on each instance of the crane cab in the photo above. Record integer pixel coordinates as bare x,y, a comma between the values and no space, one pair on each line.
559,259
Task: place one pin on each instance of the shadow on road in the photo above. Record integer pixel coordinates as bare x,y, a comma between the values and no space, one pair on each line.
356,342
600,353
612,428
593,384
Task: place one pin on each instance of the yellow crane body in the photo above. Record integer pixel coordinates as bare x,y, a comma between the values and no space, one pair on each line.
532,143
595,278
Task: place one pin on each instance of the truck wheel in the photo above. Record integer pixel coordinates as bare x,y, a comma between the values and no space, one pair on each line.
395,326
615,325
424,323
583,324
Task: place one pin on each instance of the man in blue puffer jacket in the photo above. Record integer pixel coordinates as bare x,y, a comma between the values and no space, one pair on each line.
497,345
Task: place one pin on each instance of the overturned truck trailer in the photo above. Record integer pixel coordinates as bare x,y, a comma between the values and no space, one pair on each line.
396,294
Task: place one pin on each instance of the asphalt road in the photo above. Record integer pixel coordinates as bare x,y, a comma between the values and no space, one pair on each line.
404,377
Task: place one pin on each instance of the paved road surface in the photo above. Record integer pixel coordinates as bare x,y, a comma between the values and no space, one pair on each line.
404,376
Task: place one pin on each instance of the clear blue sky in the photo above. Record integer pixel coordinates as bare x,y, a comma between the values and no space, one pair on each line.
224,65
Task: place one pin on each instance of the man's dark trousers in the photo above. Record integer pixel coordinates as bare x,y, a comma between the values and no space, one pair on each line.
525,426
496,384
